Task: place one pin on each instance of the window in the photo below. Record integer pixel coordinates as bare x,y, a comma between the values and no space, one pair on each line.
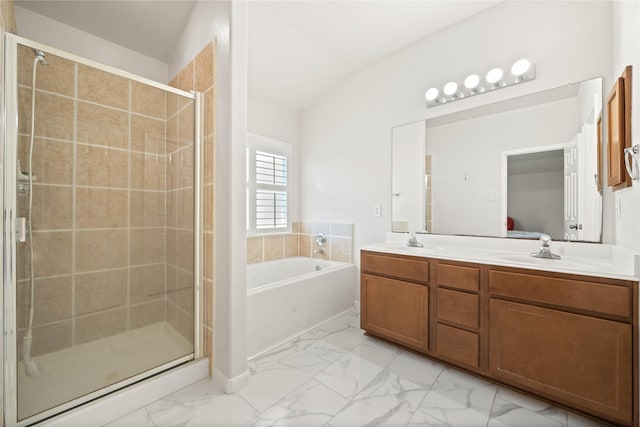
268,185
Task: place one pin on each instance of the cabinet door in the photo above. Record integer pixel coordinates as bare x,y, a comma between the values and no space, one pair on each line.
578,360
395,310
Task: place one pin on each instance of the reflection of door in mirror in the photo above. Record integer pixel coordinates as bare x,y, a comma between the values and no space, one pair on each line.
572,188
408,199
535,192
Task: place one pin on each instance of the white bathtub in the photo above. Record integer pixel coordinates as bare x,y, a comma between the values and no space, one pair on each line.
290,296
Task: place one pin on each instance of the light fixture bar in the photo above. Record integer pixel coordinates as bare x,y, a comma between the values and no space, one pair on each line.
497,78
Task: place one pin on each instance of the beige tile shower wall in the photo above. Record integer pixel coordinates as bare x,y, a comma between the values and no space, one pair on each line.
301,242
98,204
198,75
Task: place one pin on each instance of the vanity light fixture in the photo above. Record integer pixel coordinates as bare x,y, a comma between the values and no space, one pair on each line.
451,90
519,68
494,78
521,71
472,82
432,94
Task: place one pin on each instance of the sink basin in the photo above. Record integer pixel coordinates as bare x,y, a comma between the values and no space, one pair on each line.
562,263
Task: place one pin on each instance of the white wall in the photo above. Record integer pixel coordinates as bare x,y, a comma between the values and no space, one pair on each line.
345,135
61,36
626,51
277,123
206,22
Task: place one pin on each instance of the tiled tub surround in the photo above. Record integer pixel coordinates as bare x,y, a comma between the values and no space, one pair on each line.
110,158
198,75
300,242
336,376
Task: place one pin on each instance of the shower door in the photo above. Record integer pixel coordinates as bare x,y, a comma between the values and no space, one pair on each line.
99,232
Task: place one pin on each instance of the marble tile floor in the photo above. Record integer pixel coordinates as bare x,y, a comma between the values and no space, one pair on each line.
335,376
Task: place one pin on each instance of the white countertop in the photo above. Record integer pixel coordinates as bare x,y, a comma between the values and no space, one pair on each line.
590,259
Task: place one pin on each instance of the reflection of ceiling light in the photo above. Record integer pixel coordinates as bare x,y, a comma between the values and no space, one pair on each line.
432,94
522,70
520,67
472,81
494,75
450,88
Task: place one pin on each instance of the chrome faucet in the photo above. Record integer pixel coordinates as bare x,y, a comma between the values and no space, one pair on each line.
413,241
545,249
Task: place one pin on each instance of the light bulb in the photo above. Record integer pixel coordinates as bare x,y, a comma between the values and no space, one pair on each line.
431,94
494,75
520,67
450,88
471,81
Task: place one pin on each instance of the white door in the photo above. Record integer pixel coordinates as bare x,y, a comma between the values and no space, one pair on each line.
572,224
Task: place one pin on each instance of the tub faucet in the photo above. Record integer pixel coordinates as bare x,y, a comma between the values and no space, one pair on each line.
413,241
545,249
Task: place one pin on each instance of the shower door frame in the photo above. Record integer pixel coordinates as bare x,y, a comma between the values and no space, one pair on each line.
8,201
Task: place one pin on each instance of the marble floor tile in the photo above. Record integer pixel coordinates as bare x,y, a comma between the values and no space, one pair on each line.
460,399
508,414
349,375
388,400
274,355
305,361
312,404
139,418
422,419
272,384
201,404
336,376
326,351
378,352
418,369
534,405
575,420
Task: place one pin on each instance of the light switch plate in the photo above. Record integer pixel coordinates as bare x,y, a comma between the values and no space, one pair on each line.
377,210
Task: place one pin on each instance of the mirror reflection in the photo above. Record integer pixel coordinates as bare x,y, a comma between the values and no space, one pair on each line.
518,168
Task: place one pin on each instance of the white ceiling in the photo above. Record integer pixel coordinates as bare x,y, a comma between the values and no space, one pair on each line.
297,50
300,49
149,27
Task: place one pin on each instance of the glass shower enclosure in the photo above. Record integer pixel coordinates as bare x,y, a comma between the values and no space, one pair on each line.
101,230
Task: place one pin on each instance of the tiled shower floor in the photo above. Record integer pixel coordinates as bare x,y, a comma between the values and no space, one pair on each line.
336,376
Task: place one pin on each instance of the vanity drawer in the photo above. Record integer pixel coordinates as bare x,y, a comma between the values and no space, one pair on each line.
573,294
415,270
455,276
458,307
458,345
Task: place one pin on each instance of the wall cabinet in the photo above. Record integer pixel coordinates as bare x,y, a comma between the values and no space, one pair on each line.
566,338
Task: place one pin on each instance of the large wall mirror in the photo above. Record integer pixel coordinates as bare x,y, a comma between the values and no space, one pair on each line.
517,168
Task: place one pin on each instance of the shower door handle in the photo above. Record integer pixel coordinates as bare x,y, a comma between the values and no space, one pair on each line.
21,229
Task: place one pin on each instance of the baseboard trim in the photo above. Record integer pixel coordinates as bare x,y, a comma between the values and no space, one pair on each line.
231,385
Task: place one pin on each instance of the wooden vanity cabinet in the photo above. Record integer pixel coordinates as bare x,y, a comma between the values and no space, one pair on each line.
566,338
396,307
